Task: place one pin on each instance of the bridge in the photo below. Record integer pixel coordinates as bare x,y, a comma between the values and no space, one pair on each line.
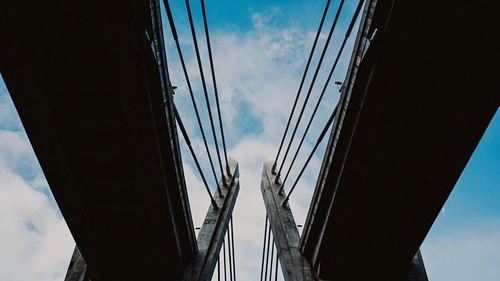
90,81
406,130
412,110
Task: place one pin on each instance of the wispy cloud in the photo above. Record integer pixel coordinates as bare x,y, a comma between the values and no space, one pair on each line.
35,242
466,252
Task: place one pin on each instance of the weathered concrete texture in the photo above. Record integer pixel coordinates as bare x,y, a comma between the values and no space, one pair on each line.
77,270
417,269
214,228
286,235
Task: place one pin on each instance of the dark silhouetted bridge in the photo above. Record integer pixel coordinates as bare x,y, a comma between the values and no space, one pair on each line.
90,82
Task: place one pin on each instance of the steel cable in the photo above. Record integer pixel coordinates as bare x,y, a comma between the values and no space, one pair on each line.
193,100
204,84
321,136
214,81
230,254
302,82
272,258
234,259
267,255
188,142
346,37
320,62
263,251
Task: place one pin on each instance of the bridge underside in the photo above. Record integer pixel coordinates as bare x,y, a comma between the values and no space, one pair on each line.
86,85
422,99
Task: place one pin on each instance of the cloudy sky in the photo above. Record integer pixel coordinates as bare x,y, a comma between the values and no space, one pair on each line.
260,49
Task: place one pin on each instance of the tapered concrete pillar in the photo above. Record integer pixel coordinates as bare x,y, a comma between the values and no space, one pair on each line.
214,228
417,269
286,235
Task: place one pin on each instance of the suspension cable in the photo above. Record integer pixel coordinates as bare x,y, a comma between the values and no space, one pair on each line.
188,142
323,133
214,81
267,255
263,251
276,273
272,258
301,82
346,37
218,268
320,62
225,264
204,84
232,241
230,254
193,100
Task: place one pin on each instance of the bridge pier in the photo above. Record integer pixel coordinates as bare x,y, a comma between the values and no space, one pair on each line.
77,270
417,269
286,235
215,225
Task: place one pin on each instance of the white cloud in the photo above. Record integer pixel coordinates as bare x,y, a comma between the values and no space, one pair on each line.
35,242
468,252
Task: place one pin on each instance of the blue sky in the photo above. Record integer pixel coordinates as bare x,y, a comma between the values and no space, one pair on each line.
464,242
260,49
